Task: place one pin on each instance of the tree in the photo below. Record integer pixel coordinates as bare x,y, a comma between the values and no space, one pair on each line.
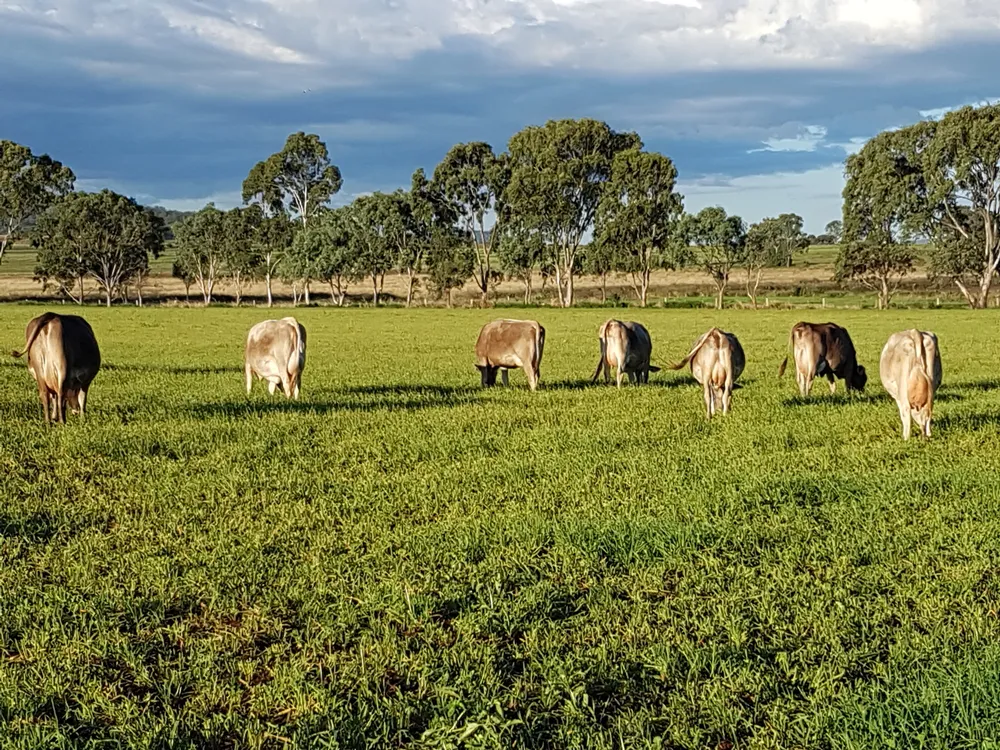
721,245
108,235
450,262
772,242
600,260
269,241
473,179
519,254
200,243
29,184
877,262
370,218
178,271
638,216
325,246
558,172
408,218
835,231
240,255
941,180
298,180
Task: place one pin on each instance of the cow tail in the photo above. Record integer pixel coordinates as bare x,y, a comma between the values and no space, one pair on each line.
539,346
43,321
784,362
295,358
918,347
698,344
604,352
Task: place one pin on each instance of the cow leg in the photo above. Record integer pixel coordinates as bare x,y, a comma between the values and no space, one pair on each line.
248,373
707,390
297,385
532,376
727,397
286,386
619,377
60,407
607,372
81,400
906,417
503,376
46,399
833,382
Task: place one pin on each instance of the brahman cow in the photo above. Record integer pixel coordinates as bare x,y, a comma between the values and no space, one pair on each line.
717,360
63,358
824,349
910,367
276,352
506,344
627,347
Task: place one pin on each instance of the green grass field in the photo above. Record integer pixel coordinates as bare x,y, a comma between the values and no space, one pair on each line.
404,559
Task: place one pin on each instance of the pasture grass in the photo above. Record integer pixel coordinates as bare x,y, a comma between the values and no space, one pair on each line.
404,559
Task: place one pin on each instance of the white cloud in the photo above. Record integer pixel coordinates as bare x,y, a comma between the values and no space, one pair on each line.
321,40
808,139
813,194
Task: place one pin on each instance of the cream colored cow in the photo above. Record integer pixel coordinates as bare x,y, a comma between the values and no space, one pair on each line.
717,360
910,368
276,352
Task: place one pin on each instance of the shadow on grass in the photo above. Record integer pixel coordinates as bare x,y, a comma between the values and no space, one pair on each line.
968,422
836,399
992,384
174,370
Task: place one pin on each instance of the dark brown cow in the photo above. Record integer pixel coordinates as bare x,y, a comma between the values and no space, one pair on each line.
824,349
506,344
63,358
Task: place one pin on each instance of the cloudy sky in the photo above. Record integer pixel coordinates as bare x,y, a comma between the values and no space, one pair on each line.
757,101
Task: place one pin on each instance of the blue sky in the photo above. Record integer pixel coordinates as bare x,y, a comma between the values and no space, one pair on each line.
757,101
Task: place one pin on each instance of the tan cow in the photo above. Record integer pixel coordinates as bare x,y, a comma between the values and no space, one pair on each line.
626,347
276,352
63,358
910,368
824,349
506,344
717,360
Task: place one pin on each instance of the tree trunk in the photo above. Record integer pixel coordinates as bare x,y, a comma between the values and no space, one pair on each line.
307,293
107,297
411,274
82,295
375,289
449,297
267,282
721,296
568,298
604,288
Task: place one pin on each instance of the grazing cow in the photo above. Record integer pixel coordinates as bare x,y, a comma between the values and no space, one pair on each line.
824,349
506,344
276,352
910,367
63,358
717,360
626,347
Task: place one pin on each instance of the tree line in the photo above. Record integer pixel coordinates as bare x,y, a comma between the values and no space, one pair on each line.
568,198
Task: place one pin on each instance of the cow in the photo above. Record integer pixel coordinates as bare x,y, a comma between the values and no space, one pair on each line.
717,360
910,368
276,352
63,358
626,346
824,349
506,344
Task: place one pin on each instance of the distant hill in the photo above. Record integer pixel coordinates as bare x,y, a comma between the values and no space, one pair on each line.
170,217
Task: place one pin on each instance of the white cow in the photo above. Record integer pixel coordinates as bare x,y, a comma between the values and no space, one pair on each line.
910,367
276,352
717,360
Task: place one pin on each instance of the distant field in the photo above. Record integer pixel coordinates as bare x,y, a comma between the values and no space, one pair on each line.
809,282
404,559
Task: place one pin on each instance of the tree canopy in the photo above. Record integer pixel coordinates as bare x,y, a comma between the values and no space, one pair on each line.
720,240
29,184
557,179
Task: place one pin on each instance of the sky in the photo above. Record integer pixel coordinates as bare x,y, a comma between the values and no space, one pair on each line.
758,102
